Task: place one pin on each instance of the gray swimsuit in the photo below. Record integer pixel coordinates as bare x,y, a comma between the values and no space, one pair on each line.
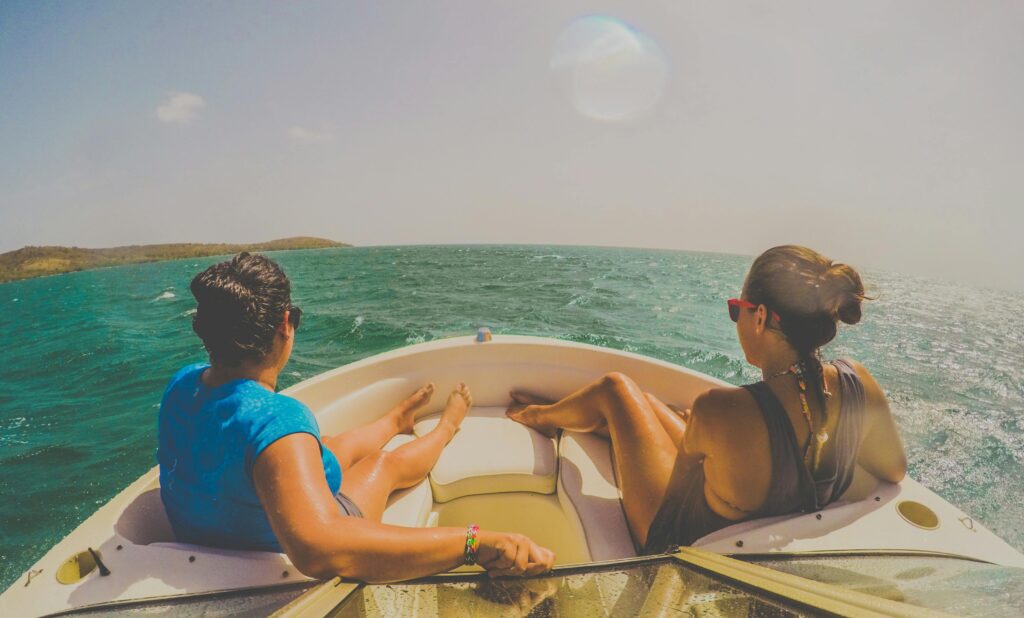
347,505
685,516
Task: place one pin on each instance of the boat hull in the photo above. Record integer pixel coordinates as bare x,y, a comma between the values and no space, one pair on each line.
132,537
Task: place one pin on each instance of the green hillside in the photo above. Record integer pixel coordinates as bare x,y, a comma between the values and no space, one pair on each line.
29,262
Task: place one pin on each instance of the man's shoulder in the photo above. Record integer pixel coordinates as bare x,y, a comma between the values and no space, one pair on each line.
188,373
189,370
258,401
291,404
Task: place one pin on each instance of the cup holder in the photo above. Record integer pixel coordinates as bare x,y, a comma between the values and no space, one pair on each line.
918,514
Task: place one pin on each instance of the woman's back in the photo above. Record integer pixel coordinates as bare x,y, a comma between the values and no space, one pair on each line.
759,468
802,478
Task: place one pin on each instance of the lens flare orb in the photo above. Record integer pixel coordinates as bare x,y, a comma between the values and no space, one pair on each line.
611,71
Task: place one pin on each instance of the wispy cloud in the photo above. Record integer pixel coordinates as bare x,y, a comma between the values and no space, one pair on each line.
302,135
180,107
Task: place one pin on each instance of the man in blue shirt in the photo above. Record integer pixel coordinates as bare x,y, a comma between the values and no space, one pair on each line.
243,466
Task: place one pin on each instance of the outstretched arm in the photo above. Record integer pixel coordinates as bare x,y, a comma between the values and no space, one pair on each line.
322,542
881,452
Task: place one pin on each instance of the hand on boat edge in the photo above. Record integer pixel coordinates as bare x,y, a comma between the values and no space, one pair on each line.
503,554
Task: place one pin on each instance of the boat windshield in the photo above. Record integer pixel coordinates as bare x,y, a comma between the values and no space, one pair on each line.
650,588
261,602
660,586
953,585
657,586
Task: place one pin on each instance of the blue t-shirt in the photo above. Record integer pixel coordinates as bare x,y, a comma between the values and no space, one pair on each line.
209,439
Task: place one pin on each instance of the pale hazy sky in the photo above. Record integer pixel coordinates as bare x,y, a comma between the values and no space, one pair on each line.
885,134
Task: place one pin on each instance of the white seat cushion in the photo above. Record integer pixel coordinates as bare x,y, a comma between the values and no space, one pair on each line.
492,454
587,478
408,507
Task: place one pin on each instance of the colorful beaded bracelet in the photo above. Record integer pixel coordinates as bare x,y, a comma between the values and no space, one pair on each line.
472,543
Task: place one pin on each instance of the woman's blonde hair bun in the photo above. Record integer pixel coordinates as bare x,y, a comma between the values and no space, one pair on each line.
843,293
808,290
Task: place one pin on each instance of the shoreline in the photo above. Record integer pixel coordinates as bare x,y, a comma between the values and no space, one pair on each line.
38,262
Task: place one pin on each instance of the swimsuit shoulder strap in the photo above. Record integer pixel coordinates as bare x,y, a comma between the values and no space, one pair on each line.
848,435
791,485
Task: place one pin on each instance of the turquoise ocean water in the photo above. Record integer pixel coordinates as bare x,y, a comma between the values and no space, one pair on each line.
87,356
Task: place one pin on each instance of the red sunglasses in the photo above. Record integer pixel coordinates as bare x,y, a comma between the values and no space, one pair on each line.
735,304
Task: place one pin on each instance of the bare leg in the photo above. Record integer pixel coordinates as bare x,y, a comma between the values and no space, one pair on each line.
523,399
671,420
644,454
373,479
355,444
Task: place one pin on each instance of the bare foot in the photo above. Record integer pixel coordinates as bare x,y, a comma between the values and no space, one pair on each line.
405,412
459,402
527,410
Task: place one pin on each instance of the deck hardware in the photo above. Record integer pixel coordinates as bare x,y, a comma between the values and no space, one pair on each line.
878,498
483,334
120,547
817,516
76,567
31,573
284,574
191,558
968,523
917,514
739,543
104,571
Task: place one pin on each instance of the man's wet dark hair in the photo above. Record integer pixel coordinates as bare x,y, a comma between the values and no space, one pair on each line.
241,303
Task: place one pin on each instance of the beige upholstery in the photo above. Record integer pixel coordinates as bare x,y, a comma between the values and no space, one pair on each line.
491,454
587,479
408,507
540,517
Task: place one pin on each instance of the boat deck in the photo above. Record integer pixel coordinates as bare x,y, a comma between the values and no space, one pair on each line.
496,473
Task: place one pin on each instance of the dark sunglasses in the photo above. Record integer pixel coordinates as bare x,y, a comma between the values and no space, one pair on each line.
294,316
735,304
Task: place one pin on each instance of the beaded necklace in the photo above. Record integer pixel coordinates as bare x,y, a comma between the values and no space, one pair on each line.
812,456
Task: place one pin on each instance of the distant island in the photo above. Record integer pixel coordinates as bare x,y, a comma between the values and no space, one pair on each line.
29,262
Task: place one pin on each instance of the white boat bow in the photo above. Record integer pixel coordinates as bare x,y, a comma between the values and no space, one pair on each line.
496,473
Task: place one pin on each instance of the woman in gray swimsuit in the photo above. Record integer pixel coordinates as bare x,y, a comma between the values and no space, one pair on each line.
787,444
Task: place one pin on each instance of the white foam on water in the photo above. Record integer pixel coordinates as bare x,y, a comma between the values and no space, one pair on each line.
165,295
